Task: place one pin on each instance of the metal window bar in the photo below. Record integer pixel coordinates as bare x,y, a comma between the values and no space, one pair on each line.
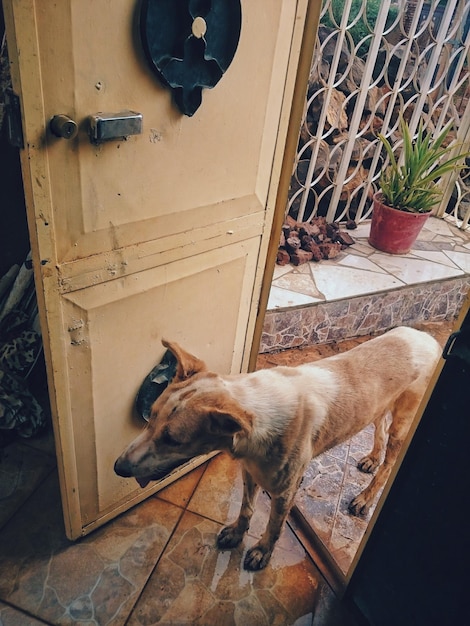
417,65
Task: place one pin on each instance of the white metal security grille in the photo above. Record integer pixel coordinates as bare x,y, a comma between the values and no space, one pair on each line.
374,61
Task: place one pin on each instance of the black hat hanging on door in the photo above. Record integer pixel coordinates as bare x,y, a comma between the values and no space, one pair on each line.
190,44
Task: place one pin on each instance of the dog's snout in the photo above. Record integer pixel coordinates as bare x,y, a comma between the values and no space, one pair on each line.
122,467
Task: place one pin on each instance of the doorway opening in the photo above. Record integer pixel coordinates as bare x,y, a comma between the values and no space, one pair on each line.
373,62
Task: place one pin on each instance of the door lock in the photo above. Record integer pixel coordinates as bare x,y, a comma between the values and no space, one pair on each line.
114,126
63,126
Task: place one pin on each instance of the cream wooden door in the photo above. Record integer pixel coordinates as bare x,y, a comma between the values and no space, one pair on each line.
163,234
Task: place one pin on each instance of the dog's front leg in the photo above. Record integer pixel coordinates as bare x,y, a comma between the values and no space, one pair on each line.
258,556
231,536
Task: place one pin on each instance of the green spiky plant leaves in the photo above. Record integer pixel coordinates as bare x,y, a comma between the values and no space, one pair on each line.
412,186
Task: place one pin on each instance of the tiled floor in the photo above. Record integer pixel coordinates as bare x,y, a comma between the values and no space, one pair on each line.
156,564
442,252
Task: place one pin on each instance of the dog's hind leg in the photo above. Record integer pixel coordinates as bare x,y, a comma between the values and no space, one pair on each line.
371,461
402,415
231,536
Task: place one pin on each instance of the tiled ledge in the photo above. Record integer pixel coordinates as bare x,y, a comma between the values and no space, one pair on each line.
364,290
354,317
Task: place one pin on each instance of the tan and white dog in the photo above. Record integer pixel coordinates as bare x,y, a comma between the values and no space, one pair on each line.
275,420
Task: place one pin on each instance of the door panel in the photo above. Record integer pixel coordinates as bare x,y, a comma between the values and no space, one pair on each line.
163,234
111,363
210,158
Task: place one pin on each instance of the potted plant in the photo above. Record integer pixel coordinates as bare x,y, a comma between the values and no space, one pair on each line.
408,188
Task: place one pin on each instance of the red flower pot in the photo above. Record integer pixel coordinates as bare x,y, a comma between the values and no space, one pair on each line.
394,231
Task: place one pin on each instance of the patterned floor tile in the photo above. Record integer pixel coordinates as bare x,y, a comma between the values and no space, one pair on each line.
11,617
93,581
337,282
196,584
180,491
219,496
220,490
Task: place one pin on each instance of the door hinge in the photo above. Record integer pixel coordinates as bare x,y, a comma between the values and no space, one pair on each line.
13,118
458,345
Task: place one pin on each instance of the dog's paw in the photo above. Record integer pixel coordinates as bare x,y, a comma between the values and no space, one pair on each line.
368,464
257,558
359,506
229,537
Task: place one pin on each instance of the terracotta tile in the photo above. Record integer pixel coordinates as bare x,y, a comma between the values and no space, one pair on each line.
219,492
181,490
95,580
12,617
219,495
196,584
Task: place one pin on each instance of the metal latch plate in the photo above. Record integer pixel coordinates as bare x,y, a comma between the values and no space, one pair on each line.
114,126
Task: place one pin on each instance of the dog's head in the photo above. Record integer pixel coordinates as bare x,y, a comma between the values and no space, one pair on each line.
193,416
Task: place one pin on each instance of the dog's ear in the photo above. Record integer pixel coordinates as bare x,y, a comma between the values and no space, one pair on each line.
229,422
188,365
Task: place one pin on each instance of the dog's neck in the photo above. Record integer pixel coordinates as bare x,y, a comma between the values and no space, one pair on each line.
268,420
